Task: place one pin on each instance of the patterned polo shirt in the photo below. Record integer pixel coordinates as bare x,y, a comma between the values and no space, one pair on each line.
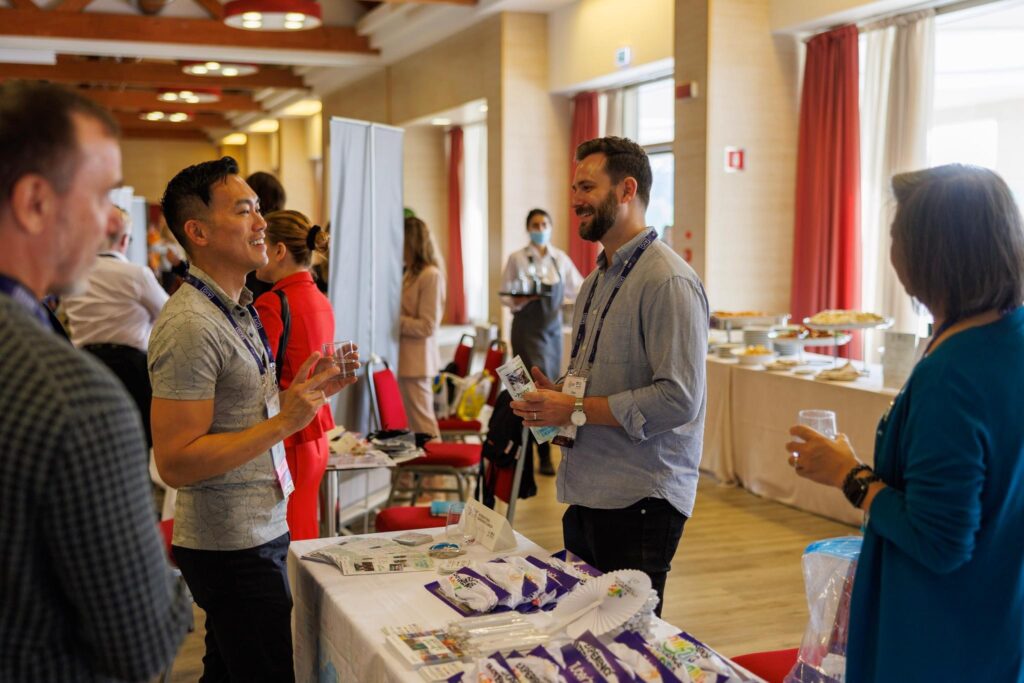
195,355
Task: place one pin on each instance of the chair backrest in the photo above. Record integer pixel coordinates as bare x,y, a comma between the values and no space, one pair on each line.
385,397
494,359
464,354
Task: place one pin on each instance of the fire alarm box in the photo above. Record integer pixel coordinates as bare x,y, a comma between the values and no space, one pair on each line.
735,160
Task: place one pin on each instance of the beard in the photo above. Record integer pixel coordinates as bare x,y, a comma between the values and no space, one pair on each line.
602,220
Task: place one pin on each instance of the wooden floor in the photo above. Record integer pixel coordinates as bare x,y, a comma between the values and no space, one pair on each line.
736,581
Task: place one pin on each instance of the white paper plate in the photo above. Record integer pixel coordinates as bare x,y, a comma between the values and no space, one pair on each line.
622,593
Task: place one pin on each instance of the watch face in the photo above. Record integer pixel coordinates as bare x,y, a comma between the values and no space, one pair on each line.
579,418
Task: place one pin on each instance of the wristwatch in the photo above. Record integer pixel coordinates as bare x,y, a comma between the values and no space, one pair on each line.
856,488
578,417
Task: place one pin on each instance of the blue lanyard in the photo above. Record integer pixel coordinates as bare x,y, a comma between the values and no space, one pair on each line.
212,296
626,270
23,296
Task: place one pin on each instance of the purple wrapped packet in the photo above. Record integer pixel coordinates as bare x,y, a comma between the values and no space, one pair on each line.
635,641
577,669
601,658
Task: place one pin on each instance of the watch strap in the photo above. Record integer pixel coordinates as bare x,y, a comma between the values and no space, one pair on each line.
856,488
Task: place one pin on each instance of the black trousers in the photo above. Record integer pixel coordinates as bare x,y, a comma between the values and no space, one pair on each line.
248,606
129,365
643,536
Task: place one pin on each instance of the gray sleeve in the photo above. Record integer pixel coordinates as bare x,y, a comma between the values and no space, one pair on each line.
100,531
185,357
675,323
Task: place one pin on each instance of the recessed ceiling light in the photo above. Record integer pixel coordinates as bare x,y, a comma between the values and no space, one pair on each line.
440,121
273,15
235,139
152,116
178,117
222,68
192,96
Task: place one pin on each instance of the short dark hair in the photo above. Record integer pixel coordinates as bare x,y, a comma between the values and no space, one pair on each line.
188,193
269,190
37,133
623,158
536,212
958,240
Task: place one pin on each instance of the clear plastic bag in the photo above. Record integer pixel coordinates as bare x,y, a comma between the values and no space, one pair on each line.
829,567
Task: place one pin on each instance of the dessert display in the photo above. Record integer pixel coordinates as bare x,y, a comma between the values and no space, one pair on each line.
724,315
845,317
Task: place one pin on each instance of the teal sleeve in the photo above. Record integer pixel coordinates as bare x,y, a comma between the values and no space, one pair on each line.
936,513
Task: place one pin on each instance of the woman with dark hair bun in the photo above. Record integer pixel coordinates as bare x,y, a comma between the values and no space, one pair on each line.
291,245
940,579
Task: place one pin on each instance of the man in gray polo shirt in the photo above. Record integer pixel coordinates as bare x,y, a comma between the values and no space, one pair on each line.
639,342
218,422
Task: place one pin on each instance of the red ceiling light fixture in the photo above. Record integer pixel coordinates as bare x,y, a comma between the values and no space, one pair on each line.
189,95
273,15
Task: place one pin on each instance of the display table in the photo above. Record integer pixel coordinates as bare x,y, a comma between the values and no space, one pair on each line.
338,619
750,411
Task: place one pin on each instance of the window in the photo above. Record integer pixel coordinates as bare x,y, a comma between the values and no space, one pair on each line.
648,116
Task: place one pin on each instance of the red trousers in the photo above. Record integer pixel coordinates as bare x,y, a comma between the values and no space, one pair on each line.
307,461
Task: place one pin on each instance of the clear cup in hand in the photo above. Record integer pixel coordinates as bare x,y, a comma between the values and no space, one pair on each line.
344,355
823,421
457,525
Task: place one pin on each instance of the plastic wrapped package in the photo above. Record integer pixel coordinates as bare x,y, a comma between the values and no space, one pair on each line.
829,567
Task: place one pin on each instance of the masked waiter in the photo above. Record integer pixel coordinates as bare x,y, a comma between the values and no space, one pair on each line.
538,280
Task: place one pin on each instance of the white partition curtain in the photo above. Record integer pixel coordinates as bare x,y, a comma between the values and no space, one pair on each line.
474,220
365,280
896,106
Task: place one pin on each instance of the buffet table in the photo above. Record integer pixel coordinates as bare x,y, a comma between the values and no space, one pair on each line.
750,411
338,619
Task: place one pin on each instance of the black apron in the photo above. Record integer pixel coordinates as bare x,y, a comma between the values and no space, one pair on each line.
537,329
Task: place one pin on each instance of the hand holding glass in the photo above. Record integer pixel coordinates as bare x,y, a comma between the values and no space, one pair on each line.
344,355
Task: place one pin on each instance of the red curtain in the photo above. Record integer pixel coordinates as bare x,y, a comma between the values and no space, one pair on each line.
585,116
455,309
826,235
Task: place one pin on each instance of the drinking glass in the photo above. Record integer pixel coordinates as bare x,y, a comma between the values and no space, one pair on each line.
823,421
457,525
344,355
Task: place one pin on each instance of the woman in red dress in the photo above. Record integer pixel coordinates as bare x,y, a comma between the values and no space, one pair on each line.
291,244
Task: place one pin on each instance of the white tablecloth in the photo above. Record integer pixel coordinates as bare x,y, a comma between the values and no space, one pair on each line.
338,619
749,415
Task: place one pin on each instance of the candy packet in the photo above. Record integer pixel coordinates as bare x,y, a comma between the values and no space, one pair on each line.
602,659
472,590
512,579
632,649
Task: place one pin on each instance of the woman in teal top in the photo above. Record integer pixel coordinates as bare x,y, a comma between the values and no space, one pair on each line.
939,589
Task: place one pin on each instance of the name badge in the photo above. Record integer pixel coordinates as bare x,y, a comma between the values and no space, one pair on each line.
277,456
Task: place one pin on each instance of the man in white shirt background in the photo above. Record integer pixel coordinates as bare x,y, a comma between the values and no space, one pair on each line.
112,319
546,279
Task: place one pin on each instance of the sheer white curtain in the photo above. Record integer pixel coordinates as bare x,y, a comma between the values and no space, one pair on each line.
896,105
474,219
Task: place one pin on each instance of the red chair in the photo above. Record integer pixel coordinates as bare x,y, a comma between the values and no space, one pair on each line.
464,354
457,429
771,666
406,518
456,460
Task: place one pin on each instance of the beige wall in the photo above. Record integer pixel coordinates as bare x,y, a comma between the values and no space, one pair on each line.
258,153
425,179
148,165
742,223
296,172
503,60
586,34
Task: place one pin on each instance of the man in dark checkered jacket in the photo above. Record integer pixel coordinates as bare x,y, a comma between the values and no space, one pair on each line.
85,590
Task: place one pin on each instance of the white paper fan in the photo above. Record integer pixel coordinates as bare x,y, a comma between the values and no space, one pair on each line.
604,603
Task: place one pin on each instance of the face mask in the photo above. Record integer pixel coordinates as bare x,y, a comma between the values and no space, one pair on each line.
540,237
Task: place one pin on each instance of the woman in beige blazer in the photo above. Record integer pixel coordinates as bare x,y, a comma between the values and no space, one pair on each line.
423,292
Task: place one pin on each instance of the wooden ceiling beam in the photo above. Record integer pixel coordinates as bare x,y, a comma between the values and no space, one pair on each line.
176,30
26,5
131,120
138,100
68,70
